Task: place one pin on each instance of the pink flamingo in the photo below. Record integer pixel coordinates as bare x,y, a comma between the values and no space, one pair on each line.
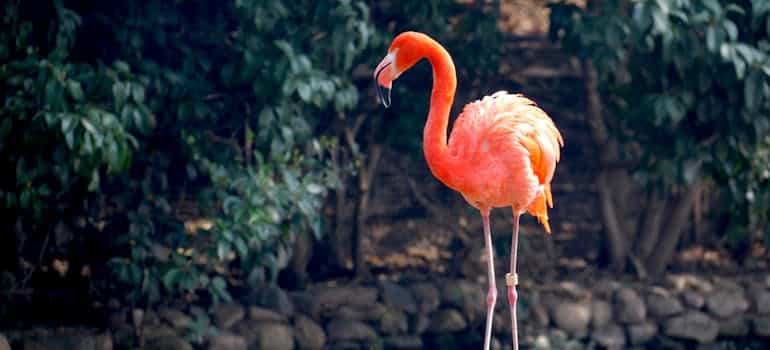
502,151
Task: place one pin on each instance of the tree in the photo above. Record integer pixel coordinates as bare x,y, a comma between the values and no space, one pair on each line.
678,100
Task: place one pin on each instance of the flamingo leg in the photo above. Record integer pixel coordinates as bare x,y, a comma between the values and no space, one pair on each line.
512,279
492,292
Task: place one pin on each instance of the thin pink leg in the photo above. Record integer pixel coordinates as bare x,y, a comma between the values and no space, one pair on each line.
512,279
492,292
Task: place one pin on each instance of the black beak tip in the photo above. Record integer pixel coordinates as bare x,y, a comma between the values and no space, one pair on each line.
383,94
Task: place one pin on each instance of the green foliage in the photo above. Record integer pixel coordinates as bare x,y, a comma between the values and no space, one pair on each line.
146,103
63,123
688,83
254,93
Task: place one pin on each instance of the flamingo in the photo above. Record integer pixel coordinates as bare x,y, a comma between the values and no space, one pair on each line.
502,151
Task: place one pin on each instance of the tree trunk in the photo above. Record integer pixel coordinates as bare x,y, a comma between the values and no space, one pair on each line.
606,147
612,227
336,241
674,225
649,226
365,178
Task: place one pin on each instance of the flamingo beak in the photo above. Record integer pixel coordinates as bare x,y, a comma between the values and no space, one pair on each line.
383,79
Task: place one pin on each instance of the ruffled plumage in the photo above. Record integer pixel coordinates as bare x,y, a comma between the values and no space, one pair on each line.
505,149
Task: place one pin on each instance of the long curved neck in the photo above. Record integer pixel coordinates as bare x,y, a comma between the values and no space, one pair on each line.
442,95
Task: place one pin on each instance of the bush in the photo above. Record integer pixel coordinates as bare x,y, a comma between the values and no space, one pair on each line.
139,107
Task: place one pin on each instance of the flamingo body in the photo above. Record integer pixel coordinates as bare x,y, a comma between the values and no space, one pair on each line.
505,151
502,152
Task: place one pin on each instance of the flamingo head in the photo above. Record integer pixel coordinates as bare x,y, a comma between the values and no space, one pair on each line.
404,52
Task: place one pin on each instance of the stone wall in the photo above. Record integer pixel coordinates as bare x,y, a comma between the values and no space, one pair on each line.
446,314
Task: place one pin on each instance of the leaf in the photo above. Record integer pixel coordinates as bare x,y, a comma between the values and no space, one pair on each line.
137,90
94,183
171,278
122,66
314,188
711,38
714,7
731,29
736,9
139,120
752,88
304,92
120,93
740,67
240,247
75,90
88,126
223,250
674,109
5,127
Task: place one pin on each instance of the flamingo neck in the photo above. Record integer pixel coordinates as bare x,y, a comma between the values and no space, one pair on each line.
442,95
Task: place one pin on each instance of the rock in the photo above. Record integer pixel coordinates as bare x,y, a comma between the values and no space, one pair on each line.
397,297
736,326
629,307
307,303
572,317
469,297
271,297
273,336
144,318
228,314
334,297
726,303
246,329
403,342
340,330
67,339
761,326
393,321
726,284
123,336
347,345
157,331
693,299
610,337
427,296
539,315
372,312
101,342
662,304
168,342
760,300
227,341
606,288
4,345
420,324
641,333
257,313
116,319
308,334
177,319
693,325
601,313
447,320
681,282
